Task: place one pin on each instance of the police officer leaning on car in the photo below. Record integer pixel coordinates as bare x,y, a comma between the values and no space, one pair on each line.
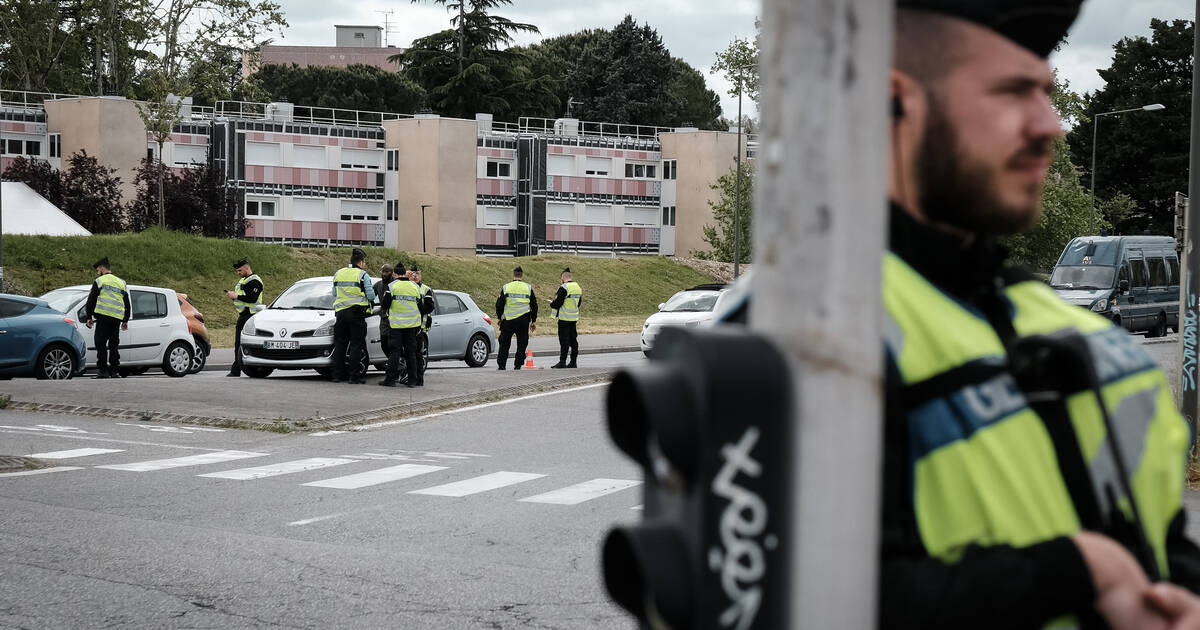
247,299
108,307
352,298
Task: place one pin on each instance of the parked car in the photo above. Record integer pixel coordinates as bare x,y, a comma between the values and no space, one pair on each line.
691,307
39,340
460,331
195,320
158,334
1131,280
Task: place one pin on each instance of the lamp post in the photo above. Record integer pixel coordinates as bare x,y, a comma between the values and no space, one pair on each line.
1095,134
423,206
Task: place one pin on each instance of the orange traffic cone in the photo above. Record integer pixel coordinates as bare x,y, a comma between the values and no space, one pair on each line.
529,360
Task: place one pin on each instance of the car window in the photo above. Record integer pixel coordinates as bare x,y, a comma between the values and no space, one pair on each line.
691,302
148,304
448,304
1173,263
306,295
1158,271
1138,270
62,300
13,308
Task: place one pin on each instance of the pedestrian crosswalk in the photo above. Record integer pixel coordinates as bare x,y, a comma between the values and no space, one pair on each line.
352,472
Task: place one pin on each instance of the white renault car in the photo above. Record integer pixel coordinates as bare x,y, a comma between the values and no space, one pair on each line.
158,334
690,308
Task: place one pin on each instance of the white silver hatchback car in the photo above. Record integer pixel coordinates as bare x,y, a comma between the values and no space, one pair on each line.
158,334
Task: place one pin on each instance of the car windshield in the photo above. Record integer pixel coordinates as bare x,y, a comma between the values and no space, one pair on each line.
691,302
315,295
1082,277
62,300
1090,251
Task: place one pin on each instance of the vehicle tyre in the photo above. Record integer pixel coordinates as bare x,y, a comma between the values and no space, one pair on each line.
322,371
423,352
646,353
477,351
382,367
254,371
1160,327
139,370
200,358
56,363
178,359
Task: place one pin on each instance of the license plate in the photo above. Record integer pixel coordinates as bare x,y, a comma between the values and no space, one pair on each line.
281,345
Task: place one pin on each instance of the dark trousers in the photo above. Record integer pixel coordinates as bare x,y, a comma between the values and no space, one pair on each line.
237,341
349,343
385,333
108,337
568,339
520,328
403,345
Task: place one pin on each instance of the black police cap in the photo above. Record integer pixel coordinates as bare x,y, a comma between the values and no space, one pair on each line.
566,270
103,262
1038,25
414,268
240,262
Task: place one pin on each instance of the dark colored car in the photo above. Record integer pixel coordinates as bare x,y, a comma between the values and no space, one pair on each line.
36,339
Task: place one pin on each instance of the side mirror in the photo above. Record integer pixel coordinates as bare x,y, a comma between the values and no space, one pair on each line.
662,304
1123,285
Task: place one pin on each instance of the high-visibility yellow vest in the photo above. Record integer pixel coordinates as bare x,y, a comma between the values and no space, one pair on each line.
516,299
569,311
984,468
241,305
348,284
404,312
111,300
427,320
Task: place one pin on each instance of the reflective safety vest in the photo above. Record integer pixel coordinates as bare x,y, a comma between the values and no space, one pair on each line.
984,466
404,312
569,311
348,284
516,299
241,305
427,320
111,300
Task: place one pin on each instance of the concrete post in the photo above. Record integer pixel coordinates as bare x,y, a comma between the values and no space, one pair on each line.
819,233
1189,310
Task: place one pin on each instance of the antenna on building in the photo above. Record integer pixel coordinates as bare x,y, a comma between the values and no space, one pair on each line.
387,24
570,104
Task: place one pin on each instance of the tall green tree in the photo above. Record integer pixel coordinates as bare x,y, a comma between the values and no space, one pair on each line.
721,233
92,195
353,87
625,77
1143,154
738,63
697,105
555,58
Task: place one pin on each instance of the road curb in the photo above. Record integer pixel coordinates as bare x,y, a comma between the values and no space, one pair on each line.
491,357
290,425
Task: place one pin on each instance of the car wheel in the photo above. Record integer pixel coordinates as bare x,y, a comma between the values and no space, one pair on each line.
646,353
178,359
477,351
56,363
254,371
139,370
322,371
423,352
1160,327
199,359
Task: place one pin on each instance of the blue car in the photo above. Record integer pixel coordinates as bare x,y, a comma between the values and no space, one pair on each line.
36,339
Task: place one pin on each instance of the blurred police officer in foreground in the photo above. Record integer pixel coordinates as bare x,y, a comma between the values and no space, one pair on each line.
108,308
566,308
517,310
247,298
352,298
1034,461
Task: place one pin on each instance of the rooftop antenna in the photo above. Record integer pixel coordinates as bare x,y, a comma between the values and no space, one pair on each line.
387,24
570,103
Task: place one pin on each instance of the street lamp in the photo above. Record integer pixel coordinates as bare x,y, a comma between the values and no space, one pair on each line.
1095,133
423,206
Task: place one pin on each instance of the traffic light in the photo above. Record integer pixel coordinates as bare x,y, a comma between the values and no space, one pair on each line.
708,420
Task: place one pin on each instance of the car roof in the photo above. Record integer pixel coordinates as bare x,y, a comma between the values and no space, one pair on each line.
88,287
24,298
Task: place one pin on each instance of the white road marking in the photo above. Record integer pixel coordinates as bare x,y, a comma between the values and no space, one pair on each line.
79,452
637,507
190,460
285,468
586,491
390,423
64,436
165,428
40,471
53,428
373,477
482,483
322,434
318,519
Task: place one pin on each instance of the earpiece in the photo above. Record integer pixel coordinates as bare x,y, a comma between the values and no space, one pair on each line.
897,107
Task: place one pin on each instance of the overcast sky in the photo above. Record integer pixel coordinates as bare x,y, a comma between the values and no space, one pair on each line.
696,30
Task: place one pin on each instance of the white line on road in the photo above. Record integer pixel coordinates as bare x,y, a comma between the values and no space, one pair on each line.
64,436
285,468
40,471
318,519
391,423
79,452
482,483
323,434
191,460
373,477
586,491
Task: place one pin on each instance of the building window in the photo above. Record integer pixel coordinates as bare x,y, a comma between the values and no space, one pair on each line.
393,159
668,215
499,217
360,36
598,166
669,169
639,171
499,169
55,145
16,147
33,147
560,213
597,215
393,210
260,208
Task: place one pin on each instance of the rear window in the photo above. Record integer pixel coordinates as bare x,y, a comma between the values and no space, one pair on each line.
13,308
148,304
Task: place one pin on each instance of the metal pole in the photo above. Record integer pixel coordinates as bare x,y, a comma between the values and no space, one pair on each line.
1189,314
737,193
1095,134
423,206
822,171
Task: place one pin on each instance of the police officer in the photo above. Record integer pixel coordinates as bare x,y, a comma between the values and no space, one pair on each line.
516,308
386,275
1034,462
414,274
405,306
352,298
108,308
247,298
566,308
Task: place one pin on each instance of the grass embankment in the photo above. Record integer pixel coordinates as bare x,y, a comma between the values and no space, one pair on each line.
619,293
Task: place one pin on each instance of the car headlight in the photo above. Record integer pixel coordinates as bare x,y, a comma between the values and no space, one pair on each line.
1099,306
325,330
692,324
249,328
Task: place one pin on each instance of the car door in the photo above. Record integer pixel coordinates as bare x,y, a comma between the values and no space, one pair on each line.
452,322
17,334
149,329
1136,308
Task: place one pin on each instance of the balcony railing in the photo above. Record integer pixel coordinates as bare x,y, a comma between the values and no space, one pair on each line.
288,112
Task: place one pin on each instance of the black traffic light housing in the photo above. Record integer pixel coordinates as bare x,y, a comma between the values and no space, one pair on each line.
709,421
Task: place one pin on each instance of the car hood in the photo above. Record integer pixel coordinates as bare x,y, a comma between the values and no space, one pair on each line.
678,319
273,318
1083,297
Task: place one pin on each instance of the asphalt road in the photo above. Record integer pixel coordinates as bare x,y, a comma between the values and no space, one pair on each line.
481,518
